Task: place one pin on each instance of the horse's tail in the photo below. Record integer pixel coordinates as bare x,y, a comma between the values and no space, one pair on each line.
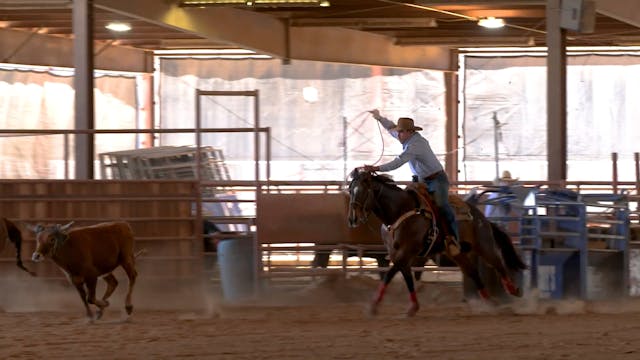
15,236
511,258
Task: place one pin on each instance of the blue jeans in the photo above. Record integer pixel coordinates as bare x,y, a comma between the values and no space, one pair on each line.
439,190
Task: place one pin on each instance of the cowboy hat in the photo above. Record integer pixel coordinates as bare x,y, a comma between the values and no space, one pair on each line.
506,176
405,123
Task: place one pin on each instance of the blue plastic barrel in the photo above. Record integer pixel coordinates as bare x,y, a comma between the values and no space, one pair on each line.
237,262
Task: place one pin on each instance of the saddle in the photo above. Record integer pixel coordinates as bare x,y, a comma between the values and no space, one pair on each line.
460,208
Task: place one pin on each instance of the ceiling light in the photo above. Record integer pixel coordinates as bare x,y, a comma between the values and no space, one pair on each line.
118,26
491,22
310,94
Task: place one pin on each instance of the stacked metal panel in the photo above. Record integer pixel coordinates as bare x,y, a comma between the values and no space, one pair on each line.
164,162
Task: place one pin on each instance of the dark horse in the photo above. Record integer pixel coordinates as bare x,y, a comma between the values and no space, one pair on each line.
9,231
410,229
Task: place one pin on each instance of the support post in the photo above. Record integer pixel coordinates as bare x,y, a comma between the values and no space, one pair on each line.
451,99
556,95
83,85
614,180
496,148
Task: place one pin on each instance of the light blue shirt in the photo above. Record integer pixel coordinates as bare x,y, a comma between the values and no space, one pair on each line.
415,150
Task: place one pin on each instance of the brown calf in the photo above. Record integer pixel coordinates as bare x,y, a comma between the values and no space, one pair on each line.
86,253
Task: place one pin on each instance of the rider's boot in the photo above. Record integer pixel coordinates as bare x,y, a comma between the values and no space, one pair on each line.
452,244
456,247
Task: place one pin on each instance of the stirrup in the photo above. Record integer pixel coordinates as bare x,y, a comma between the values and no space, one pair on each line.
462,246
452,245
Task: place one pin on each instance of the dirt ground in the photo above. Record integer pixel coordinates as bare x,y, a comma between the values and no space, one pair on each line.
322,320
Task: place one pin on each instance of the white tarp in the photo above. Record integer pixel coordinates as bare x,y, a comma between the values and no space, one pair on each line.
603,115
37,99
307,136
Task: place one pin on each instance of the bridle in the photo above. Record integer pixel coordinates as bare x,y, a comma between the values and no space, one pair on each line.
366,204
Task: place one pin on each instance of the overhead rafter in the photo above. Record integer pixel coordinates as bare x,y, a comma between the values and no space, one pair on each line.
266,34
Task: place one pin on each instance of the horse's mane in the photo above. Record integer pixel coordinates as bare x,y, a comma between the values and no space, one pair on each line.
383,179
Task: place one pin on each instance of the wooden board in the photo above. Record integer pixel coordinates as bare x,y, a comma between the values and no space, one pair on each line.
311,218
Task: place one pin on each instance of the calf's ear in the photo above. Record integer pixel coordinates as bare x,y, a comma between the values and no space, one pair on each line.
35,228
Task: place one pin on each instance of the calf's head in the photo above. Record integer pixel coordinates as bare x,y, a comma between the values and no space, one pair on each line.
48,239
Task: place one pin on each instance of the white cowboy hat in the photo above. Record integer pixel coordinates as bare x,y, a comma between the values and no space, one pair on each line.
506,177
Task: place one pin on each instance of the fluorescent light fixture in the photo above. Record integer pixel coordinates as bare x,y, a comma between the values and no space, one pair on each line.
118,26
491,22
256,3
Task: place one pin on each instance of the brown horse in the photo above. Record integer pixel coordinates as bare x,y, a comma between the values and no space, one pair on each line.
410,229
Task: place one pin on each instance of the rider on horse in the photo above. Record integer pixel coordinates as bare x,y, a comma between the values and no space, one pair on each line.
425,166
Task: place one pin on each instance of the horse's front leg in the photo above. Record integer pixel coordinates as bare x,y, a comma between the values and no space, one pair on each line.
377,299
408,279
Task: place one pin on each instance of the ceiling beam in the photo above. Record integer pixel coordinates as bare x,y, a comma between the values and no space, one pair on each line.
268,35
420,22
623,10
492,41
21,47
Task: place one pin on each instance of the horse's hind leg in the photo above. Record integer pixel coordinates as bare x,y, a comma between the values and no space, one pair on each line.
468,269
496,261
408,279
132,274
506,281
373,309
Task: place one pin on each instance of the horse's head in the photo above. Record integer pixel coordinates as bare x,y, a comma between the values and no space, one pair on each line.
360,197
48,238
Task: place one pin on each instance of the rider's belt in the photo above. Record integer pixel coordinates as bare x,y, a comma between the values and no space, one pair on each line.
434,175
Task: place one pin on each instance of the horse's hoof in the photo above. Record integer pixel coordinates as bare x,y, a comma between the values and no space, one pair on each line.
372,310
129,309
98,314
511,288
413,309
484,294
